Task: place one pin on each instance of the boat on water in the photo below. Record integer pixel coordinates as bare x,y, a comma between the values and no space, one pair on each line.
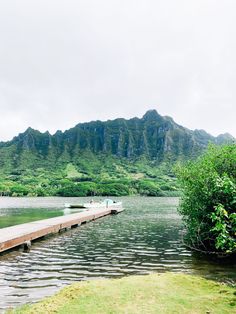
107,203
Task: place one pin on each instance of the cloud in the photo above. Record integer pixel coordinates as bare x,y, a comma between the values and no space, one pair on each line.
64,62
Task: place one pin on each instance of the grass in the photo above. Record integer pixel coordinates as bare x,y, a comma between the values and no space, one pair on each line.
155,293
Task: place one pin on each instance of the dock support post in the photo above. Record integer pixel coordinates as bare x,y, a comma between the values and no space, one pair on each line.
27,245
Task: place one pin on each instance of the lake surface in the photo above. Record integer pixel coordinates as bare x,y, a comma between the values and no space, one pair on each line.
145,238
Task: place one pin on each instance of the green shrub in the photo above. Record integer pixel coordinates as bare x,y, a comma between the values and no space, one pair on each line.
19,190
149,188
166,187
208,204
113,189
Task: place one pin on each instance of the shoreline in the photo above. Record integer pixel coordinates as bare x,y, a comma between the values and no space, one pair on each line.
155,293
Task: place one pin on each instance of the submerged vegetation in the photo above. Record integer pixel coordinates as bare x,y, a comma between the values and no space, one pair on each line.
209,200
156,293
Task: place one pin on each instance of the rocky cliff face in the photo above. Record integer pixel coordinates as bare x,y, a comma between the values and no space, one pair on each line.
153,136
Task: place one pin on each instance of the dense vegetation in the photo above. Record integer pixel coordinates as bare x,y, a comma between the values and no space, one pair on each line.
93,176
119,157
209,200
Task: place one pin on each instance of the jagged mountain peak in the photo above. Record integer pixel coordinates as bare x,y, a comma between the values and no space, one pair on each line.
225,137
32,131
153,136
151,114
29,130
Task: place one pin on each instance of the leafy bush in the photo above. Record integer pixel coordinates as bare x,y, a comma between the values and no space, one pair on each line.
208,204
167,187
149,188
69,189
113,189
18,190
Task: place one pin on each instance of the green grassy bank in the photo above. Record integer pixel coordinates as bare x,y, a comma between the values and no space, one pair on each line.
156,293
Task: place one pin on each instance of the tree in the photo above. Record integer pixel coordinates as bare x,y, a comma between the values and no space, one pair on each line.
113,189
208,205
149,188
18,190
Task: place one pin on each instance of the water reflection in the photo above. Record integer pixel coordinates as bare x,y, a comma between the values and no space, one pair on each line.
145,238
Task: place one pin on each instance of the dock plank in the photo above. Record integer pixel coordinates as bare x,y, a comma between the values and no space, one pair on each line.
14,236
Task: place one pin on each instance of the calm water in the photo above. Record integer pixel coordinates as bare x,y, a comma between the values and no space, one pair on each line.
145,238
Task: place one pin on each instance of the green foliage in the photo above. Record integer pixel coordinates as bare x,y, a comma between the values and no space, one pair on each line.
141,151
18,190
113,189
92,175
149,188
71,171
225,224
208,205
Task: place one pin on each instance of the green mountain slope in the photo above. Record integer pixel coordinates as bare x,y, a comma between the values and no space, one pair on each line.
100,152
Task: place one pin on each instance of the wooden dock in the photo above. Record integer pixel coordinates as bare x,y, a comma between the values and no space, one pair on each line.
23,234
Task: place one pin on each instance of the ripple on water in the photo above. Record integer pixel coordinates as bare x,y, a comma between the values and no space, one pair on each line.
143,239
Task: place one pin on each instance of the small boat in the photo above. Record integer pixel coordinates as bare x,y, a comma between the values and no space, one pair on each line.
104,204
68,210
67,205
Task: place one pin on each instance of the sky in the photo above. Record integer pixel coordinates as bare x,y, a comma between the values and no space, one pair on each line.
68,61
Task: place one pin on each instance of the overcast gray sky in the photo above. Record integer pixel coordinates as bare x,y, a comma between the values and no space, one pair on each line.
64,62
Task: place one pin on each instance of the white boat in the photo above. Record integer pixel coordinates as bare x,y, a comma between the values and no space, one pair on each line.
107,203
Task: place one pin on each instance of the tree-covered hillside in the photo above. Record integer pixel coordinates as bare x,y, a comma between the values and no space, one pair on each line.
118,157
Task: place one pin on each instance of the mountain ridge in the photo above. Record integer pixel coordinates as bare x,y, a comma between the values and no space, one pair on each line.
229,136
152,135
115,157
